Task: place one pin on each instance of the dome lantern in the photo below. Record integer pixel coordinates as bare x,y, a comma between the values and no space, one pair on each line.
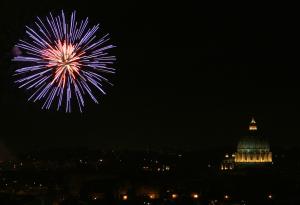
253,126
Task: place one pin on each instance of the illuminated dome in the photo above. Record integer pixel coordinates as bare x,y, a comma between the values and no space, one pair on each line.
253,148
251,143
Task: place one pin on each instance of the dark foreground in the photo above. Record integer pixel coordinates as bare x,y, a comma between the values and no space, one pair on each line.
146,178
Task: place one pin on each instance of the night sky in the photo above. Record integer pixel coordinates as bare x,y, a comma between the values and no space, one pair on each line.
188,76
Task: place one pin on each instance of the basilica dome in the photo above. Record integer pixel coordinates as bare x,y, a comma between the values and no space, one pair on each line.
253,144
253,148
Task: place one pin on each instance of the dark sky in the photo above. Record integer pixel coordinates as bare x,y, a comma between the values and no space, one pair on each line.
189,76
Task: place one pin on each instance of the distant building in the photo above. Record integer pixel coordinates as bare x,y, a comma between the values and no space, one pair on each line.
252,150
228,162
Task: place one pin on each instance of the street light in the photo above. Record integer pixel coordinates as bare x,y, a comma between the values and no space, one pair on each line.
195,196
174,196
124,197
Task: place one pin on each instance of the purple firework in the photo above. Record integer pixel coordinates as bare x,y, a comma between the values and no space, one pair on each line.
64,59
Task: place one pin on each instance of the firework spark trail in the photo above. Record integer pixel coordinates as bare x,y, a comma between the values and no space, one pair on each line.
64,60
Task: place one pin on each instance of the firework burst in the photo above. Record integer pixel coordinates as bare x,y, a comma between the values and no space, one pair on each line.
63,60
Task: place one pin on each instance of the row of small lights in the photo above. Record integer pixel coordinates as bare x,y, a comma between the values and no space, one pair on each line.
193,195
173,196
